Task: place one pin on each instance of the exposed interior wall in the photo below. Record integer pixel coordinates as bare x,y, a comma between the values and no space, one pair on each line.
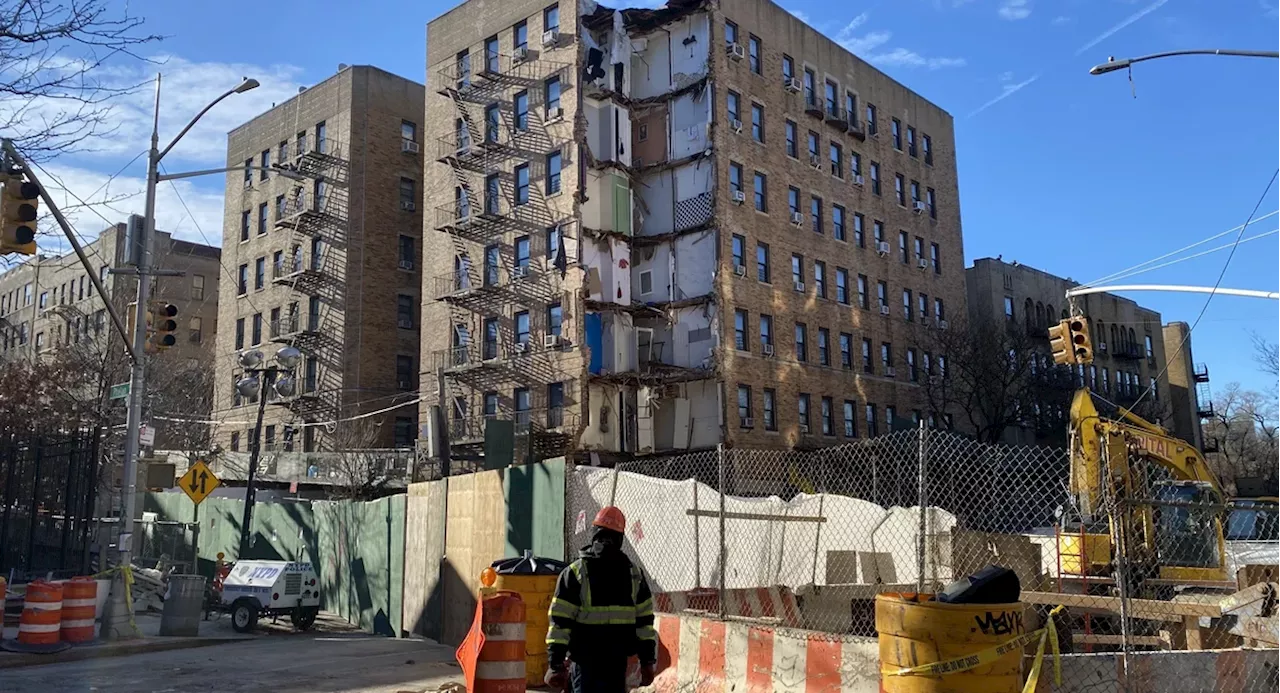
609,202
612,409
671,57
681,416
611,339
690,124
608,266
608,131
683,337
683,267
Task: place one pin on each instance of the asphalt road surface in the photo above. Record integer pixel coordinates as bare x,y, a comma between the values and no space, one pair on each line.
326,663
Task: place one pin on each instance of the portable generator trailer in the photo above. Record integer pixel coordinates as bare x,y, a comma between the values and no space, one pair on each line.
273,588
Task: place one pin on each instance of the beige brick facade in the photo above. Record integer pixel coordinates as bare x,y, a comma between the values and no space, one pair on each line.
330,264
650,289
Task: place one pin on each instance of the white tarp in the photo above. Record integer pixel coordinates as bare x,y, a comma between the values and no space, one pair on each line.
674,547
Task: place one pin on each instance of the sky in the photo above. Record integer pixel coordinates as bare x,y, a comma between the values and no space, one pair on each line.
1081,176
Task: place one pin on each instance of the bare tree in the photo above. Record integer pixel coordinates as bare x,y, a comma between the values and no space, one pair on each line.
362,470
993,374
1267,355
1243,433
55,95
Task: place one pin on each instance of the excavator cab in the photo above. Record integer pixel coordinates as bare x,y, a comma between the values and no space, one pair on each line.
1187,524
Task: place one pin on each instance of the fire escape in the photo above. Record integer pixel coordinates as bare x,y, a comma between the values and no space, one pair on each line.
508,259
311,266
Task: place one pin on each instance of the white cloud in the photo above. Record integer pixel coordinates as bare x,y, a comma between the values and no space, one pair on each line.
1126,22
1013,10
868,47
1061,20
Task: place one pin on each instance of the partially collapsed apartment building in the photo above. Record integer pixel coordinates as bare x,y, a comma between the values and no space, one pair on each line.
659,230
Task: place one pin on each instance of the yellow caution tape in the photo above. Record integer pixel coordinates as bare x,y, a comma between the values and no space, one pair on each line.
1048,634
127,572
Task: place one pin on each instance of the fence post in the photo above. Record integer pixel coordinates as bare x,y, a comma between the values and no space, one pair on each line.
724,549
37,449
922,501
697,540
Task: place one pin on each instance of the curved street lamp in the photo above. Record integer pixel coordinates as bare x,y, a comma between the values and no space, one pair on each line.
1112,64
261,379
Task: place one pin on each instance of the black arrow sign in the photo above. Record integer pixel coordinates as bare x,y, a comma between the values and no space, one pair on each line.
199,482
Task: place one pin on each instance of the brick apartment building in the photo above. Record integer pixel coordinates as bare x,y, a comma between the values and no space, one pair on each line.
328,265
702,224
48,303
1131,347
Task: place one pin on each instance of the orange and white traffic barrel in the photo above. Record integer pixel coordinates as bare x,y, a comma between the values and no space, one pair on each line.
500,666
41,618
79,606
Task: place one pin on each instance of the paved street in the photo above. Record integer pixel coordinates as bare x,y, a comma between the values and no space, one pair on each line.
277,662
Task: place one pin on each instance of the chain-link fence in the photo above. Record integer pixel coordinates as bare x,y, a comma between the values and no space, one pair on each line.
809,538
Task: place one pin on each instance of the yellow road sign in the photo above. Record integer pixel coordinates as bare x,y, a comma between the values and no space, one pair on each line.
199,482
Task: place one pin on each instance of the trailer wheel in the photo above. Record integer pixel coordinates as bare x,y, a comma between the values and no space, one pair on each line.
244,616
304,617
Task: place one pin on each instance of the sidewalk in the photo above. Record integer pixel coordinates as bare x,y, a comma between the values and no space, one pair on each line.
217,630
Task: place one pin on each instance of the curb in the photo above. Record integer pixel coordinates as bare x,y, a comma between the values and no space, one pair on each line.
13,660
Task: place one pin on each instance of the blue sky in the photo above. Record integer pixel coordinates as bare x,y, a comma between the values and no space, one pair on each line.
1060,170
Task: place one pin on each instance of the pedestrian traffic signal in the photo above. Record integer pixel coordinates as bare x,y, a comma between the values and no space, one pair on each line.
163,326
1060,344
1081,345
18,201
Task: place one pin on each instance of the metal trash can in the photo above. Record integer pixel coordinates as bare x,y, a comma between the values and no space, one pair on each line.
183,606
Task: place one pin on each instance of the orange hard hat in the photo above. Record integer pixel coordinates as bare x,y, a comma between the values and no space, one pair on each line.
611,518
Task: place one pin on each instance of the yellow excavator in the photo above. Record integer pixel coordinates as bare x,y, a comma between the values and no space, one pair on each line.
1140,492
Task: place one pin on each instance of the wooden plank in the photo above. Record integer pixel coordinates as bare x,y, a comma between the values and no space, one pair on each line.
1118,640
756,516
1192,624
1250,596
1147,609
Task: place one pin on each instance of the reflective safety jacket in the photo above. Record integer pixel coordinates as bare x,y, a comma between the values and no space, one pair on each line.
602,611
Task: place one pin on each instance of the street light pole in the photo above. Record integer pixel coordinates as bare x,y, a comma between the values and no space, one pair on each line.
263,381
116,614
1112,64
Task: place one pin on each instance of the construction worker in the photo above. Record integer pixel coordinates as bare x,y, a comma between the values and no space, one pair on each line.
601,615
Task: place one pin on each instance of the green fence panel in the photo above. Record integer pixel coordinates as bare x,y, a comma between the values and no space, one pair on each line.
535,508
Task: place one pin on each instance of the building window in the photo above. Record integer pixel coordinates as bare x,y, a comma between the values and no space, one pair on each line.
862,292
730,32
522,327
906,305
259,273
244,225
521,248
810,98
555,319
553,235
265,166
820,278
1008,308
890,415
813,148
911,141
242,280
520,106
912,373
828,420
553,173
837,222
762,262
915,192
859,238
262,219
897,134
903,256
872,121
1150,350
922,305
793,200
882,294
931,201
522,184
875,178
195,329
937,309
404,311
491,59
855,166
744,406
824,346
766,331
489,339
927,143
934,252
406,252
757,122
837,161
492,123
791,139
740,330
239,333
802,411
248,173
735,177
552,89
797,271
44,300
802,346
407,193
831,91
761,185
753,53
732,108
235,441
898,189
815,214
842,285
257,330
770,418
739,246
551,18
788,69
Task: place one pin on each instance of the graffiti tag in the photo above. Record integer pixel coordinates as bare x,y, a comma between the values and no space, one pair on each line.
1000,623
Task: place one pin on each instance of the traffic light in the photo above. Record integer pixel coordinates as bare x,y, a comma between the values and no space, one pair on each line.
18,201
1060,343
162,327
1081,345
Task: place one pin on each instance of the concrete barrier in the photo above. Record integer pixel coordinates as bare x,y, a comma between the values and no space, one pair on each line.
706,654
776,602
1203,671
